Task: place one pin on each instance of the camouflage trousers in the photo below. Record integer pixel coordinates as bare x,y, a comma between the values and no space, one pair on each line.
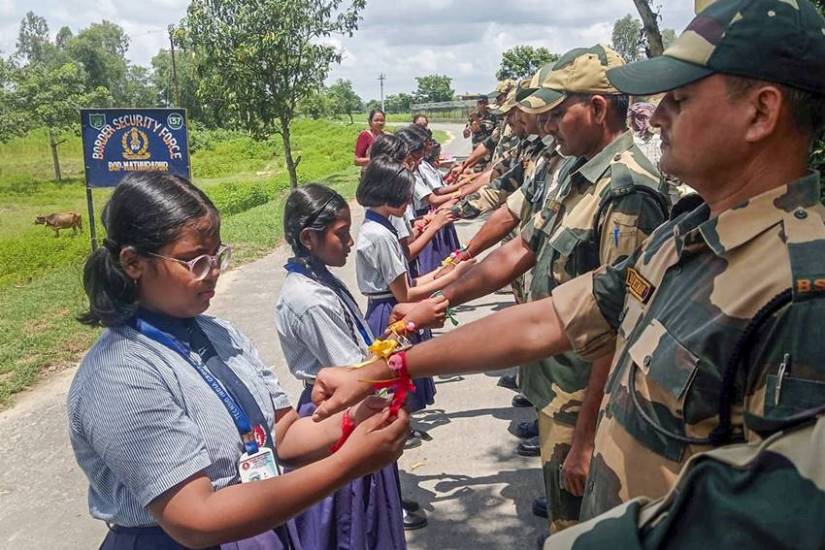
555,439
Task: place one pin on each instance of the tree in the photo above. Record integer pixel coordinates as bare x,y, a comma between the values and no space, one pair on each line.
434,87
668,37
33,38
52,96
653,38
627,38
398,103
207,110
262,57
138,90
101,49
317,104
522,62
62,39
343,99
12,118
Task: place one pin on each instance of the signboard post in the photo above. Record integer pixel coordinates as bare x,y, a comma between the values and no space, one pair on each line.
118,142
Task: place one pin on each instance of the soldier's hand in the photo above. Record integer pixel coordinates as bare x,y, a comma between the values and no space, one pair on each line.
575,468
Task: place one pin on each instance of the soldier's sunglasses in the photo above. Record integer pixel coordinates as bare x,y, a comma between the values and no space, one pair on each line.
203,264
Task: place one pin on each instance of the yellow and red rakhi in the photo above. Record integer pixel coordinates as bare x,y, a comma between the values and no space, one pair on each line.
388,350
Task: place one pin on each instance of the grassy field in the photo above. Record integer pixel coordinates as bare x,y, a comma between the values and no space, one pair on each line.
40,275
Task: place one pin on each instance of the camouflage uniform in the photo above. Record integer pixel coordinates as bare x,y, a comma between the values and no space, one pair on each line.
494,194
563,239
528,199
487,124
677,355
779,488
602,210
682,308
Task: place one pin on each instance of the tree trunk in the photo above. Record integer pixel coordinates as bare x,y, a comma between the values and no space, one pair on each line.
655,47
55,159
290,163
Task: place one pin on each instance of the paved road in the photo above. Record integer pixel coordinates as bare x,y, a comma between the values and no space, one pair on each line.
477,492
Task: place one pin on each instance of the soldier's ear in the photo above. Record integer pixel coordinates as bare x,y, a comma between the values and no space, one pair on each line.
766,105
598,105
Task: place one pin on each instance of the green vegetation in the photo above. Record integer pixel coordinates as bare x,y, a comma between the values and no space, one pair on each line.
40,283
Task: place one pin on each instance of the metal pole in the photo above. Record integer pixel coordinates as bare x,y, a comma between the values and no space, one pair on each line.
92,231
174,66
381,78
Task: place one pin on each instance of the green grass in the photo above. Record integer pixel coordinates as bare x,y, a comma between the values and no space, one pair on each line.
40,279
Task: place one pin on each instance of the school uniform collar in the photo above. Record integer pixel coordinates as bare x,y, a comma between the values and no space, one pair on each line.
592,170
741,224
176,326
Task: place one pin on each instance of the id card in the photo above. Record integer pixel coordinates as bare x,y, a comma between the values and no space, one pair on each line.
257,466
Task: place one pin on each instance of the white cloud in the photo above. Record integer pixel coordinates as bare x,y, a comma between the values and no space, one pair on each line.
400,38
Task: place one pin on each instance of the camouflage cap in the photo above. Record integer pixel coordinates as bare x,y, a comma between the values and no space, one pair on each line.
780,41
512,97
579,71
503,87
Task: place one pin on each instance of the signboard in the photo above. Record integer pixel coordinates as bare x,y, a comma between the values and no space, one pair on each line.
118,142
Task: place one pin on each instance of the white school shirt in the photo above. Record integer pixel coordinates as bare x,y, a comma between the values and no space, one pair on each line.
313,330
379,259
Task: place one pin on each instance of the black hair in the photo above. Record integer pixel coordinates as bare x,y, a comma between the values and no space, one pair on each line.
413,137
389,145
618,106
312,206
385,182
373,113
146,212
434,154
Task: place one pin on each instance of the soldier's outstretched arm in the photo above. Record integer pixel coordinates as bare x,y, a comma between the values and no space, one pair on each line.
507,338
497,226
498,269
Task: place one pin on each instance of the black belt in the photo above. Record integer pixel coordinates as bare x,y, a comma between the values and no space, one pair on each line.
120,530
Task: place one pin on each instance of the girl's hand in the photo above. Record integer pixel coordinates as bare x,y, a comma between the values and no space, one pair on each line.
370,406
445,270
443,217
429,313
337,388
401,310
377,442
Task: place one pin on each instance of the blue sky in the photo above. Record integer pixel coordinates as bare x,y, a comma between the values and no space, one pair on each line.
400,38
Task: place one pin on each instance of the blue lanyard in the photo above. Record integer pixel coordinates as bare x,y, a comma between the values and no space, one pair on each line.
328,280
374,216
238,415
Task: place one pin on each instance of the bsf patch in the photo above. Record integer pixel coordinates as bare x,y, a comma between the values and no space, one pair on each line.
639,287
805,285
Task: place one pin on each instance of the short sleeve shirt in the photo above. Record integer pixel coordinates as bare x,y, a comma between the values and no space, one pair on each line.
675,312
379,258
316,329
142,420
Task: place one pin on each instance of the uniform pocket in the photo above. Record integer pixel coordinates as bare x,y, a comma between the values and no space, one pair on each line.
665,362
664,373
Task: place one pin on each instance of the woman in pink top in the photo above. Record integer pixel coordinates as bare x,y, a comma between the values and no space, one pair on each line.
367,137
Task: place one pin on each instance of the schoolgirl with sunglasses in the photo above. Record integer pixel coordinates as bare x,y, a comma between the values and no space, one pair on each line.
179,427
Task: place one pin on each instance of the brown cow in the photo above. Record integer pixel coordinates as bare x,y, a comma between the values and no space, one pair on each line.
69,220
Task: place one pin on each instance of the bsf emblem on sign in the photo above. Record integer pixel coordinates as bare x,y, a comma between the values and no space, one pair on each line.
97,120
175,121
135,145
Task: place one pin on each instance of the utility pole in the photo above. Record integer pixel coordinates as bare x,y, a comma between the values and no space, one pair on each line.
381,78
174,66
